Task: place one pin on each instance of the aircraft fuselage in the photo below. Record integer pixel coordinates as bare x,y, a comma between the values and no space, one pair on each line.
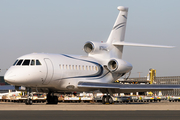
58,72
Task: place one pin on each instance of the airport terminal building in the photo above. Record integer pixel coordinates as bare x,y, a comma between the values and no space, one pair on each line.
160,80
5,87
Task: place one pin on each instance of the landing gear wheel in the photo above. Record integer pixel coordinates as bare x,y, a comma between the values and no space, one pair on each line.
52,99
28,101
55,100
107,99
103,99
110,100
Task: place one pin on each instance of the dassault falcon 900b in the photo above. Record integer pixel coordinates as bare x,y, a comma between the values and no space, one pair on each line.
54,73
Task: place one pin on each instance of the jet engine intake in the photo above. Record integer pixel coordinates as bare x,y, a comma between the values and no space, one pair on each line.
112,65
95,47
88,47
119,66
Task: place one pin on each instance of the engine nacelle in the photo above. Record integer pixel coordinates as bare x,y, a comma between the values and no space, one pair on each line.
95,47
119,66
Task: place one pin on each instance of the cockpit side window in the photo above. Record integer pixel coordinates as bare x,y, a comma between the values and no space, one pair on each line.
19,62
26,62
32,62
38,62
15,62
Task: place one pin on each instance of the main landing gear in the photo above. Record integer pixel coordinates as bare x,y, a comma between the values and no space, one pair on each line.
51,99
28,101
107,99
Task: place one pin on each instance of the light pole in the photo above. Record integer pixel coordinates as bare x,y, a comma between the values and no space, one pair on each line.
139,74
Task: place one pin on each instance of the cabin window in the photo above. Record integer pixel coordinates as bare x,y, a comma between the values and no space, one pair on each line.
38,62
19,62
96,68
93,68
73,67
32,62
60,66
89,67
66,66
26,62
15,62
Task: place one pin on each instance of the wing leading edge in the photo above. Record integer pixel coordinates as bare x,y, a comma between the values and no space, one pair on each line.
141,45
125,88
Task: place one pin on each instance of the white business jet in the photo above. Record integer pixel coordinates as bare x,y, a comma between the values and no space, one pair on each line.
54,73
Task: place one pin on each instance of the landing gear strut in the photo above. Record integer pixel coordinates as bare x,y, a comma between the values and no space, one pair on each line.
107,99
51,99
28,101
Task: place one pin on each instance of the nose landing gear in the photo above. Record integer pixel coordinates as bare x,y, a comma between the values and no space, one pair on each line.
28,101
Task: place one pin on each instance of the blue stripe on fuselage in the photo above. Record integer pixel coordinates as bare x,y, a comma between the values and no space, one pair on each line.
100,72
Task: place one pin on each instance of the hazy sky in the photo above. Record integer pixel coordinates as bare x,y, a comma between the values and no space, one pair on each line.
63,26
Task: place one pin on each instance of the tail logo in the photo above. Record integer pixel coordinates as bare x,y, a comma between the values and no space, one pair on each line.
103,48
124,16
119,26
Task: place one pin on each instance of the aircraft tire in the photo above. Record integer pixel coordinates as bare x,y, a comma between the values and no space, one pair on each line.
107,99
103,99
110,100
55,100
52,100
28,102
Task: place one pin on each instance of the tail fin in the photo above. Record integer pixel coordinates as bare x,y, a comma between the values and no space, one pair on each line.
116,37
118,32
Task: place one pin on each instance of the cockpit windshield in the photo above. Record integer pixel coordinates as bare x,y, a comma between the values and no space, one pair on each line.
27,62
15,62
32,62
37,62
19,62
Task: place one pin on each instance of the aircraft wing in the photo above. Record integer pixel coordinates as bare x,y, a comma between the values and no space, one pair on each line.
126,88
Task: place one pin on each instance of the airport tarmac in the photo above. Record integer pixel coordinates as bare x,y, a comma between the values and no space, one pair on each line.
89,115
71,111
163,105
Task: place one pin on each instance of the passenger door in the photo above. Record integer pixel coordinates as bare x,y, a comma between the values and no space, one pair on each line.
50,71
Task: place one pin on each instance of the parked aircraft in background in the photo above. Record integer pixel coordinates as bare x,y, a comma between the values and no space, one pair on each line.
54,73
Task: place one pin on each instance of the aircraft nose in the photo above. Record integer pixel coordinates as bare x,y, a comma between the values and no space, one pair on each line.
9,77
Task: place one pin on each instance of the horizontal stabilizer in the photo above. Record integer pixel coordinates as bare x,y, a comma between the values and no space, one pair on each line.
141,45
127,87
